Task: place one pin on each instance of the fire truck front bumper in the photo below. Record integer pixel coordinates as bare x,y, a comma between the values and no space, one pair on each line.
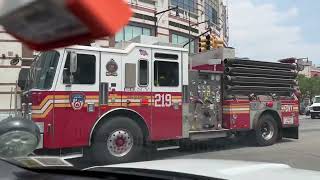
314,112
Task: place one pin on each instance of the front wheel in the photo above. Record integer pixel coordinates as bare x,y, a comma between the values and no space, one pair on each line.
266,131
118,140
313,116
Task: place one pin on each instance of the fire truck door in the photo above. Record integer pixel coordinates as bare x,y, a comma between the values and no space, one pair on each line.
166,95
76,99
136,82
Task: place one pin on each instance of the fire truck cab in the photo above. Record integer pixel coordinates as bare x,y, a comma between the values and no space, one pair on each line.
114,102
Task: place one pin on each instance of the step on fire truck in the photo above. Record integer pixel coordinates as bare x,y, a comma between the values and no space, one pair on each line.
116,101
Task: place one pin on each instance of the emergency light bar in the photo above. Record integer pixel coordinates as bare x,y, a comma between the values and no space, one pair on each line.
47,24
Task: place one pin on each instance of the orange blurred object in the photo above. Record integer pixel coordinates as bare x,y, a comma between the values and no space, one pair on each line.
48,24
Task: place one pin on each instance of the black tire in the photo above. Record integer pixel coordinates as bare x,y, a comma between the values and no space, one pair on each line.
266,131
313,116
280,135
100,149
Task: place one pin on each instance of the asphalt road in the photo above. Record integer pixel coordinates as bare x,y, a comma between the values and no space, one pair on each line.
303,153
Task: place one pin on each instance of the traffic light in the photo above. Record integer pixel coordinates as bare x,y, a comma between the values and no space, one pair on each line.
215,42
204,43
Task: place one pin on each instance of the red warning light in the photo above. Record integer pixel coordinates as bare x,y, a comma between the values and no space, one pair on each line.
269,104
47,24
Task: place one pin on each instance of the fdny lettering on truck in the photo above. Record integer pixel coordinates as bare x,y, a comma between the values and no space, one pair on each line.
287,108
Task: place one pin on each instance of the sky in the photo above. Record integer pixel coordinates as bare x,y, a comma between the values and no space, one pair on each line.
268,29
274,29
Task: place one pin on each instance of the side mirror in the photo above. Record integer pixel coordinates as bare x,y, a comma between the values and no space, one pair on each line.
73,62
22,84
22,79
18,137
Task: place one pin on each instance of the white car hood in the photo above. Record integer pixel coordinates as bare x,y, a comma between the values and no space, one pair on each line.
315,104
225,169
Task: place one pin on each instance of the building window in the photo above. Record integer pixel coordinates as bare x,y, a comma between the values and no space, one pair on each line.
181,40
166,73
86,70
211,10
185,5
130,32
181,26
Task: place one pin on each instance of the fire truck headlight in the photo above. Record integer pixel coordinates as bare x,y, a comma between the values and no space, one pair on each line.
40,126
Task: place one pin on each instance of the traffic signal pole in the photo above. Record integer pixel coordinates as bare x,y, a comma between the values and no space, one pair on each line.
190,26
161,12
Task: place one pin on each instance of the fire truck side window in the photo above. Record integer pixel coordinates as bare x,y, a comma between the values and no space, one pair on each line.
86,70
143,73
166,73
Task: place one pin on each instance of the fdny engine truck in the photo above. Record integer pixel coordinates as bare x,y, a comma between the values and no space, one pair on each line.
116,101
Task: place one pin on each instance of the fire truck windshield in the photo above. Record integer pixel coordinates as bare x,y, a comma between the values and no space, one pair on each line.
43,70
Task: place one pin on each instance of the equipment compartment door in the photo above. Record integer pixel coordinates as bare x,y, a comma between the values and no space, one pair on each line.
166,95
76,101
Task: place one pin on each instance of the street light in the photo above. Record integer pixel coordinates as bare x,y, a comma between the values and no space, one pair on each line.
161,12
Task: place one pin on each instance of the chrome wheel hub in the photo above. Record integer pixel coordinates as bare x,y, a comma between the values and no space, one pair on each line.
267,130
120,143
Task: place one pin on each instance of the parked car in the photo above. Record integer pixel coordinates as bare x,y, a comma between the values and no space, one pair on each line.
315,107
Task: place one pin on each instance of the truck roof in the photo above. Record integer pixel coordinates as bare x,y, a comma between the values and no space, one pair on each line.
140,41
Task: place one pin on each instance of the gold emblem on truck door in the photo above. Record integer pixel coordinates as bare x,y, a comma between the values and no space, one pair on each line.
112,68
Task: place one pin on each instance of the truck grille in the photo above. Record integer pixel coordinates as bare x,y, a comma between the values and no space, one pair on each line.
316,108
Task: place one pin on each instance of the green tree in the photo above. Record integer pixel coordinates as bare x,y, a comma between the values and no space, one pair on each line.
309,87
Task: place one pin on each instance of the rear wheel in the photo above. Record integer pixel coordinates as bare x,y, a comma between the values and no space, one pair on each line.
118,140
266,131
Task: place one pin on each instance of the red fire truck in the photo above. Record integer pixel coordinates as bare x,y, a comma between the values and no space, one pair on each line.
116,101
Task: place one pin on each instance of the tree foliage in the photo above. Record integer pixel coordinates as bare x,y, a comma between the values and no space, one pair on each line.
309,87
